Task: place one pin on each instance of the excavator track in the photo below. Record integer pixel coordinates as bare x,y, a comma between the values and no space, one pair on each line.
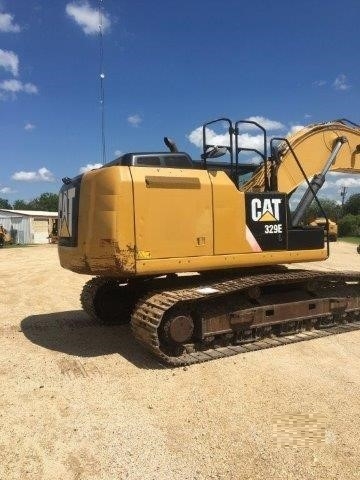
215,319
107,301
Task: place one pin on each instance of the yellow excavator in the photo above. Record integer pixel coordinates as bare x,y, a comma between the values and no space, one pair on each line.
192,252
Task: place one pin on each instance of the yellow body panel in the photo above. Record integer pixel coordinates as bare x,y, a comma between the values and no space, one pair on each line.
149,221
218,262
106,225
173,212
229,216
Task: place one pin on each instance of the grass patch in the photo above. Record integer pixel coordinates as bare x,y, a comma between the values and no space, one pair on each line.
355,240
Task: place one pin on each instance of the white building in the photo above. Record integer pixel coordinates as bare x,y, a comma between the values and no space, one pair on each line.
28,226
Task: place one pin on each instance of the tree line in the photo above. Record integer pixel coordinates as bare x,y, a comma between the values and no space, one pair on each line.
347,216
46,202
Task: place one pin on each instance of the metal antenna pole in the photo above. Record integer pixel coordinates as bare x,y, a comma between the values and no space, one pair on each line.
102,78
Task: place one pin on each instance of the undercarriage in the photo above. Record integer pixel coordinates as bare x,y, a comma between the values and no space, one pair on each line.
184,320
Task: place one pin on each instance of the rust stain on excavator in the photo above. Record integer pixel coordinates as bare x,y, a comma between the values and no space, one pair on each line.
113,260
125,259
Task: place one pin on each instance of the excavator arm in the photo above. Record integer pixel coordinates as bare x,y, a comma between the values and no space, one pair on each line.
312,147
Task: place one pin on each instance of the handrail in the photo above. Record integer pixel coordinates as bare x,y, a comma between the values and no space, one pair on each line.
207,145
262,155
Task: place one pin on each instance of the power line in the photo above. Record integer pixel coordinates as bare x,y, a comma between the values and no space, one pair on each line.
102,78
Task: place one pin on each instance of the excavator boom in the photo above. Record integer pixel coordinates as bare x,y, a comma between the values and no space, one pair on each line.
312,145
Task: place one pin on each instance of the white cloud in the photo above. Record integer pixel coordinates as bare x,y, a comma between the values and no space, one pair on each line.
251,141
15,86
326,185
9,61
118,153
87,17
196,137
332,186
134,120
264,122
7,23
7,190
41,175
341,83
319,83
294,129
29,126
89,166
245,140
348,182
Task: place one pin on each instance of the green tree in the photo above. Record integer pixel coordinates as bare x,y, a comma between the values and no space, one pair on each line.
349,225
47,202
330,207
4,203
352,204
21,205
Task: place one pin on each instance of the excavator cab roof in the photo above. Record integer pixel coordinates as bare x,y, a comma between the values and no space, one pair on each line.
173,160
154,159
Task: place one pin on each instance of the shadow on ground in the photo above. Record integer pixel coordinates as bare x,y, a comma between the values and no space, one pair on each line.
74,333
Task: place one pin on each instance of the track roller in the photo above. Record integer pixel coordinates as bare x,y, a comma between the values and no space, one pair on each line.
176,330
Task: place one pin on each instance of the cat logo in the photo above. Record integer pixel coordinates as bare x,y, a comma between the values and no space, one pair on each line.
266,209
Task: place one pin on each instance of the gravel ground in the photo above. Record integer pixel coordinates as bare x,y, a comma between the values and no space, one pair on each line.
82,401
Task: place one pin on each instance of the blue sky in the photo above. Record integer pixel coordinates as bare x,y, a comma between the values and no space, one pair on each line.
169,66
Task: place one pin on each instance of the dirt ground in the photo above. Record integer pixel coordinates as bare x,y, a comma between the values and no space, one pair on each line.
83,401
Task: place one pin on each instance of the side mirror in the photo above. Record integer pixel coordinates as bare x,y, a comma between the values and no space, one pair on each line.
214,152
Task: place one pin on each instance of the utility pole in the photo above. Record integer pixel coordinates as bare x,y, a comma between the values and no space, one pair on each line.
343,193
